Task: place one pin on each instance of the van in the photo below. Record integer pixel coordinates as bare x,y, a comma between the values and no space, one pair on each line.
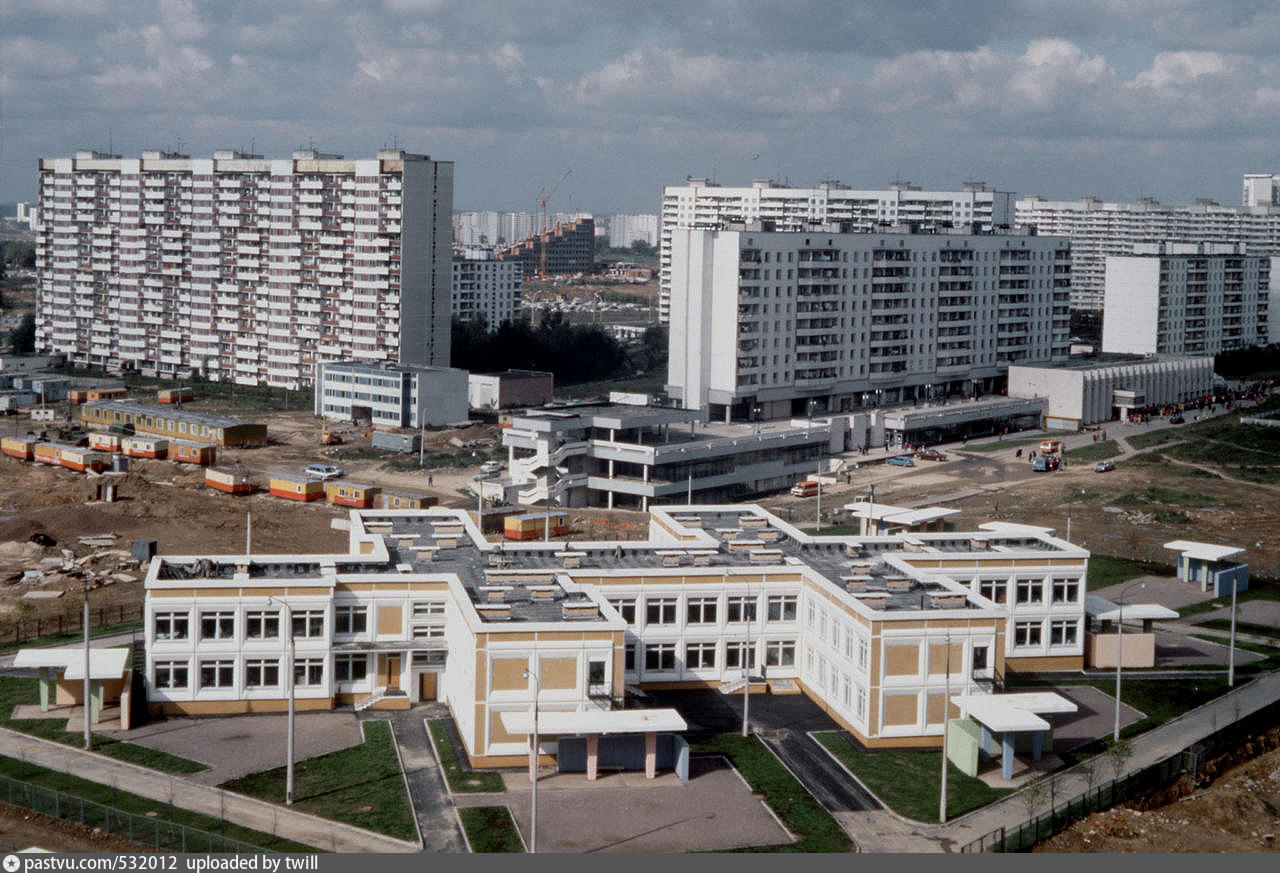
1050,447
807,488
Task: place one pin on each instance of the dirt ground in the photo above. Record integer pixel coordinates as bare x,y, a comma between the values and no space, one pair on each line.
1237,812
23,829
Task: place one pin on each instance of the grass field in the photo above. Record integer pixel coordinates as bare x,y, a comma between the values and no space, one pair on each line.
72,636
490,829
361,786
1105,570
1093,452
15,690
1003,444
1153,438
459,779
909,782
803,816
1244,627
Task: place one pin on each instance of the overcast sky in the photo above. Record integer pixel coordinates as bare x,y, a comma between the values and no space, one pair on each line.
1116,98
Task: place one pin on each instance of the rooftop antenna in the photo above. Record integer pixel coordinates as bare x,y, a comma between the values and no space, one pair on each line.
252,142
111,140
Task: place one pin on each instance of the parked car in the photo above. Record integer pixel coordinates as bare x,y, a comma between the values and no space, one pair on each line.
902,461
490,467
1045,463
1104,466
805,488
322,471
1177,419
930,455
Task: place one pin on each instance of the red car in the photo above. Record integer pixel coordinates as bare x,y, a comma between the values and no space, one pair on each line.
930,455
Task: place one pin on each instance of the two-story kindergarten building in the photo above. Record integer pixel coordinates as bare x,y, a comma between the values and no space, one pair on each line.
422,607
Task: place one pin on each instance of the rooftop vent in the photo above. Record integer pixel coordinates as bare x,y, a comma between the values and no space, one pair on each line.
898,583
948,601
542,592
494,611
580,609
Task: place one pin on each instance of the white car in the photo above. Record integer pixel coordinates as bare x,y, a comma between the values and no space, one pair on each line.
491,467
322,471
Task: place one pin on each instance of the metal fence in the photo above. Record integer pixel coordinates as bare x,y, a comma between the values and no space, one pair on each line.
71,621
162,835
1134,785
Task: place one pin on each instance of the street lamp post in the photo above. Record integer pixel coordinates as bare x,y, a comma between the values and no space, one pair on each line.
1231,651
287,621
88,685
533,769
1115,735
946,723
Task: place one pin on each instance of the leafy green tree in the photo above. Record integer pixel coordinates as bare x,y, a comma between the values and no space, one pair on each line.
23,337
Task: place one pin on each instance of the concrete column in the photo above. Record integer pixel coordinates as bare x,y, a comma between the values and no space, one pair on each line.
1006,759
984,745
593,756
48,689
650,755
96,694
1037,745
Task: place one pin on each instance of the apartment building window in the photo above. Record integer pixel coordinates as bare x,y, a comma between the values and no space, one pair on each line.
740,608
171,674
424,659
428,632
626,608
351,619
660,656
780,654
424,609
700,656
354,668
308,623
172,625
1030,591
629,657
262,625
261,674
308,672
993,590
860,703
738,655
217,625
1026,633
702,610
846,691
1066,590
848,643
980,658
782,607
864,653
660,610
1063,633
217,674
810,613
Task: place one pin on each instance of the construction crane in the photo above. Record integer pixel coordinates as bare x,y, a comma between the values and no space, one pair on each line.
543,196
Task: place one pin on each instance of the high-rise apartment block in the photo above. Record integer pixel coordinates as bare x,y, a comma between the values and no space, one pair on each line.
564,250
1100,229
1186,299
1261,189
766,324
240,268
704,205
627,229
484,287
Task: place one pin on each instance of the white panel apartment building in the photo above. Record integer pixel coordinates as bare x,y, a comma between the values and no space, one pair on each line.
1100,229
765,323
626,229
1186,299
244,268
486,288
701,204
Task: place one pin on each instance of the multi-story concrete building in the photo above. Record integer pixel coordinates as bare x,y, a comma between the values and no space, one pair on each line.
239,268
635,456
422,606
1186,299
627,229
767,324
704,205
1261,189
1100,229
391,395
486,288
565,250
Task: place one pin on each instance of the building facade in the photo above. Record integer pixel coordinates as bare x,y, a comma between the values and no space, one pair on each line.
1261,189
565,250
1186,299
510,389
701,204
486,288
627,229
391,395
240,268
422,606
767,324
1100,229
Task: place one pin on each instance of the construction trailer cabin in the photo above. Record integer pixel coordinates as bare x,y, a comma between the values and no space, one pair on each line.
145,447
404,500
292,486
185,452
343,493
229,480
535,525
175,395
173,423
18,447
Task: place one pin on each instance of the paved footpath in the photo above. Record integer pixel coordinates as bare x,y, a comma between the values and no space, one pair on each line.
236,808
431,803
883,831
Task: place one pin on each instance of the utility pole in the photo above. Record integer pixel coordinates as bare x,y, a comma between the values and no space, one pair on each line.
88,684
946,724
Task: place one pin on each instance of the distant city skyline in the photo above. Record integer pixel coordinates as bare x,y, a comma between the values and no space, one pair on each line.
1174,99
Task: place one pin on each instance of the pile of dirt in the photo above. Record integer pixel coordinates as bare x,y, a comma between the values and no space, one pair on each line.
22,829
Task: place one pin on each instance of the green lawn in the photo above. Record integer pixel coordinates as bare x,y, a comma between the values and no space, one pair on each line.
1153,438
361,786
909,782
490,829
1002,444
459,779
1244,627
1259,589
15,690
161,811
816,829
1105,570
72,636
1270,653
1100,451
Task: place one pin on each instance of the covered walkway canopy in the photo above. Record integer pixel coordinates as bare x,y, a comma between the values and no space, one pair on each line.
593,723
1010,714
67,665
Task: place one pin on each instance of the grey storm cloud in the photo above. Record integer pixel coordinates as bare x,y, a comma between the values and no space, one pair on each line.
1172,96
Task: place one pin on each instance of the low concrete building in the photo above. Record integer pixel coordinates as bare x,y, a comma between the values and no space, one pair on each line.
510,389
391,395
1108,387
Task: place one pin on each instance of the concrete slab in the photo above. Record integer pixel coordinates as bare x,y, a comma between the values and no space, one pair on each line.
1265,612
1094,716
1167,591
628,813
1178,650
237,745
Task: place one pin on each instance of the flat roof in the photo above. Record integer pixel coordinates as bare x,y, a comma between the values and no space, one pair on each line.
1105,610
103,663
1203,551
1004,713
170,413
600,721
897,514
